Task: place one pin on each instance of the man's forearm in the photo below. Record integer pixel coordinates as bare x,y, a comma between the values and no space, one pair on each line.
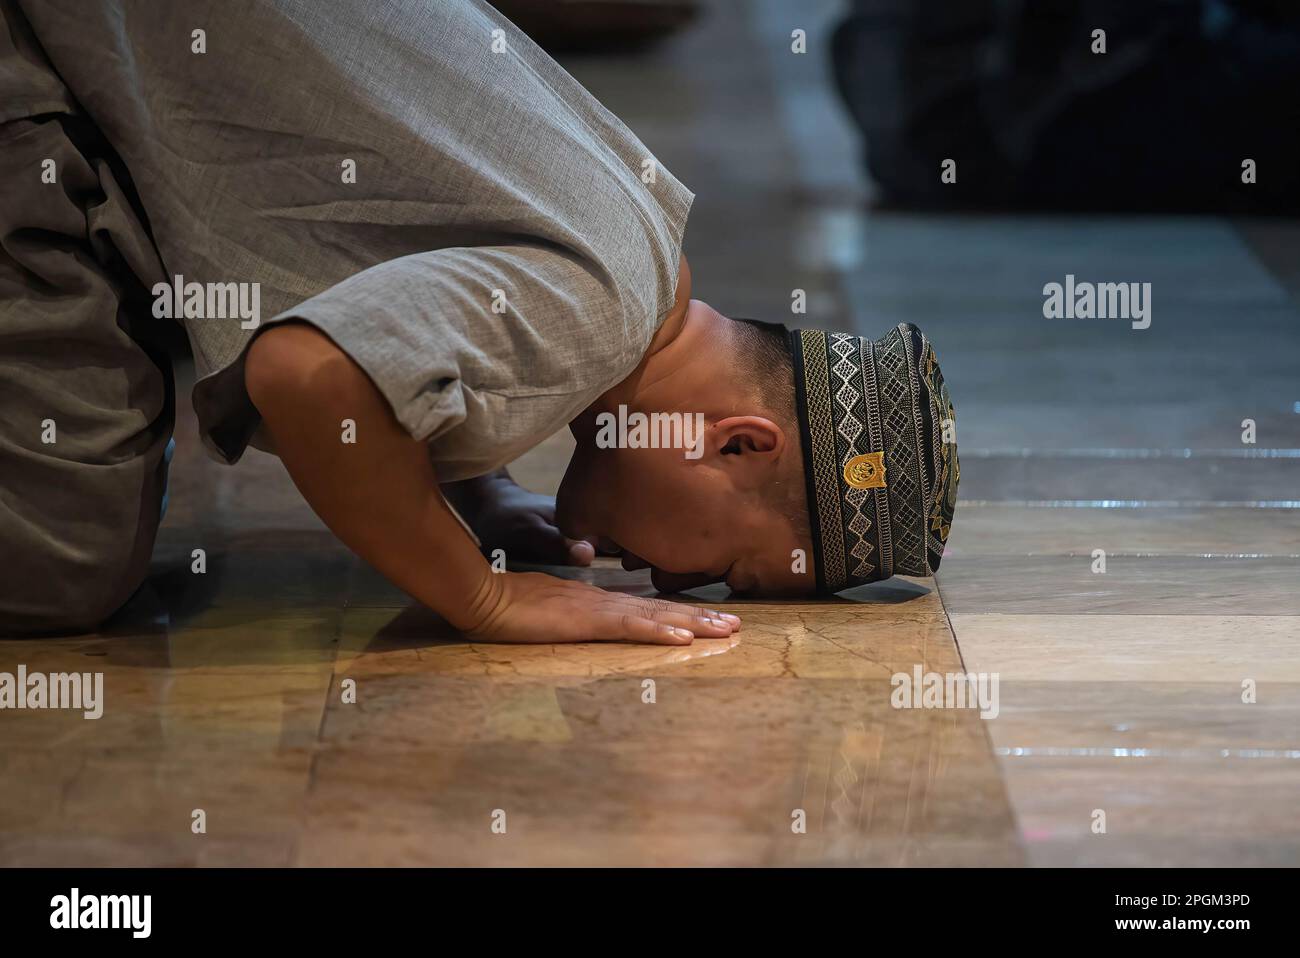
379,494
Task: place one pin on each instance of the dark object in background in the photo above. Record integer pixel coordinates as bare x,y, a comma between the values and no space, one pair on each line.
1012,91
586,26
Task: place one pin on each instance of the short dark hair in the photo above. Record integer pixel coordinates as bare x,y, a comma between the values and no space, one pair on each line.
766,370
768,367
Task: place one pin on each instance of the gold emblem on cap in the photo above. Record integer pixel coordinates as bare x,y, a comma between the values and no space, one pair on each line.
866,472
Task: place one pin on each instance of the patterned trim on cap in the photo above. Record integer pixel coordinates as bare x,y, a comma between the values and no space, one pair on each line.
855,397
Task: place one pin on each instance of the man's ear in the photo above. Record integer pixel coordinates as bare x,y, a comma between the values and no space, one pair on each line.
747,437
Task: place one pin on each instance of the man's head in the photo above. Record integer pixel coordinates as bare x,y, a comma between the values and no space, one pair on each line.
725,502
820,460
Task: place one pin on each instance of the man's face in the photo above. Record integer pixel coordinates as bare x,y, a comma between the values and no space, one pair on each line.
692,521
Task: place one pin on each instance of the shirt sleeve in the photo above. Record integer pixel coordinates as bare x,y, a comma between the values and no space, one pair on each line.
484,351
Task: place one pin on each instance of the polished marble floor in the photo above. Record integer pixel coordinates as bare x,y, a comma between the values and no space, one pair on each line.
317,718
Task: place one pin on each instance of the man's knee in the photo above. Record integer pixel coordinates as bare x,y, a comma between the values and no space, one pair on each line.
60,586
75,537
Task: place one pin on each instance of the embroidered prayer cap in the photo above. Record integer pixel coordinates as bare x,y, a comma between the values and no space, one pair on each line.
879,451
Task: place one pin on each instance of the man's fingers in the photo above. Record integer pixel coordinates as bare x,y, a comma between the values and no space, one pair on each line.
581,551
664,606
542,542
631,627
727,617
710,627
702,623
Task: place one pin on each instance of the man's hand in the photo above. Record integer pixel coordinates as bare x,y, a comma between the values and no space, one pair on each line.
521,523
538,608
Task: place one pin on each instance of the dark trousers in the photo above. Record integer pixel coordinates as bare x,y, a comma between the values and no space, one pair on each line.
86,402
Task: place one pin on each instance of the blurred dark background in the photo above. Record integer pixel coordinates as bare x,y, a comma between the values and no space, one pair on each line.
1073,104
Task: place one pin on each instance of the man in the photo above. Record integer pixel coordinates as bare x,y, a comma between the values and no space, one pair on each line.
407,247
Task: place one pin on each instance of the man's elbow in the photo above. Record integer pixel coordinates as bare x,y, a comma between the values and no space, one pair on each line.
289,364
